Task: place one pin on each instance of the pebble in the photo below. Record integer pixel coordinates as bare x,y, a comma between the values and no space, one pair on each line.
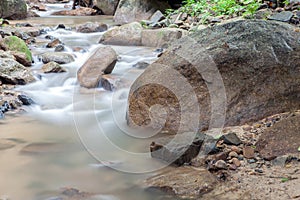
233,154
231,139
248,152
236,162
236,149
221,164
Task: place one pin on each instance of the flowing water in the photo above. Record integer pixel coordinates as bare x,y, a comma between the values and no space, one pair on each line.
73,136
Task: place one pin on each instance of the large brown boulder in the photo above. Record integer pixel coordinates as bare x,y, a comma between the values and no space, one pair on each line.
137,10
102,61
281,139
248,69
13,9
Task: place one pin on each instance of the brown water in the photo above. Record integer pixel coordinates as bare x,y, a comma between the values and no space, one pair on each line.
74,137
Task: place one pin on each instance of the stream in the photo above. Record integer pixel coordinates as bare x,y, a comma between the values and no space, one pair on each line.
75,137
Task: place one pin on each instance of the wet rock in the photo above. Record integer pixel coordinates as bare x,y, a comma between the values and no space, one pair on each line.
102,61
244,65
4,54
91,27
188,182
128,35
13,9
284,16
12,72
108,82
59,48
82,11
1,115
161,37
21,58
58,57
108,7
137,10
53,43
53,67
141,65
248,152
281,139
27,101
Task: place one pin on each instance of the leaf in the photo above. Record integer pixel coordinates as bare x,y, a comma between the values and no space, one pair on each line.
284,179
299,148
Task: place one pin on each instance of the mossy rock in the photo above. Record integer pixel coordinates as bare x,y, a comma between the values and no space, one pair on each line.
13,43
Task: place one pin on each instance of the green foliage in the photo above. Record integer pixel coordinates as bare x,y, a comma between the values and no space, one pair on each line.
218,7
16,44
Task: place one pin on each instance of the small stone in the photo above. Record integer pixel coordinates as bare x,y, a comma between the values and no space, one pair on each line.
236,162
236,149
259,171
251,161
53,67
247,128
221,164
59,48
156,17
141,65
221,156
232,167
233,154
53,43
280,161
283,16
25,99
248,152
231,139
1,115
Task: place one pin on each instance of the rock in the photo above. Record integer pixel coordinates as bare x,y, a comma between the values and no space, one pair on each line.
202,66
4,54
27,101
141,65
284,16
137,10
82,11
91,27
233,154
221,164
1,115
21,58
161,37
128,35
281,139
177,150
231,139
210,146
189,183
108,7
236,162
108,82
59,48
13,43
280,161
236,149
58,57
12,72
248,152
53,43
13,9
157,17
53,67
102,61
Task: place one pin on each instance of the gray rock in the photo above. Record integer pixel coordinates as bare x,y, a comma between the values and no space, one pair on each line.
128,34
13,9
27,101
108,7
141,65
58,57
102,61
231,139
220,164
157,17
52,67
12,72
284,16
91,27
137,10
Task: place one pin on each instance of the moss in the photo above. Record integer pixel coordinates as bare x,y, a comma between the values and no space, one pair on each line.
14,43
